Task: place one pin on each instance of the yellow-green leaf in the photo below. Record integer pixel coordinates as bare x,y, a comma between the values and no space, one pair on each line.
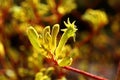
68,32
54,34
65,61
33,37
46,30
48,39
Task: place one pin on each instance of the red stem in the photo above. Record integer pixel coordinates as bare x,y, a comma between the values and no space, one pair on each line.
85,73
80,71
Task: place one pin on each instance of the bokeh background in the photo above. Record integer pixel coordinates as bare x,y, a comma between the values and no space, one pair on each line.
98,54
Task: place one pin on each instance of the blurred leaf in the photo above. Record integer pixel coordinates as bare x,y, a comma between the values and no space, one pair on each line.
97,18
2,51
2,77
49,71
44,74
38,76
63,8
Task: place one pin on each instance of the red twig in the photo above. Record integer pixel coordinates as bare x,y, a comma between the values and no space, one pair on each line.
85,73
80,71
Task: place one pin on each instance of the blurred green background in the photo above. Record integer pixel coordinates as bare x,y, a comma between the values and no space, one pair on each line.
98,54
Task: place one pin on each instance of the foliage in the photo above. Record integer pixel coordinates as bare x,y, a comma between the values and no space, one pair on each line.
95,43
44,74
46,43
97,18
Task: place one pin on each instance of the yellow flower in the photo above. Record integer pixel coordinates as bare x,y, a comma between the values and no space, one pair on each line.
46,42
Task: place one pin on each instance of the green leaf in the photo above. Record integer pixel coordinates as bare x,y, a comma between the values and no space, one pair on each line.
97,18
65,61
40,38
33,37
54,34
68,32
46,30
48,40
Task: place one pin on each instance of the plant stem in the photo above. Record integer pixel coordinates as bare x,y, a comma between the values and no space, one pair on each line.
85,73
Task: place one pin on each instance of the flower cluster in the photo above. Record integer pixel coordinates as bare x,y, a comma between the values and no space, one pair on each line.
46,42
